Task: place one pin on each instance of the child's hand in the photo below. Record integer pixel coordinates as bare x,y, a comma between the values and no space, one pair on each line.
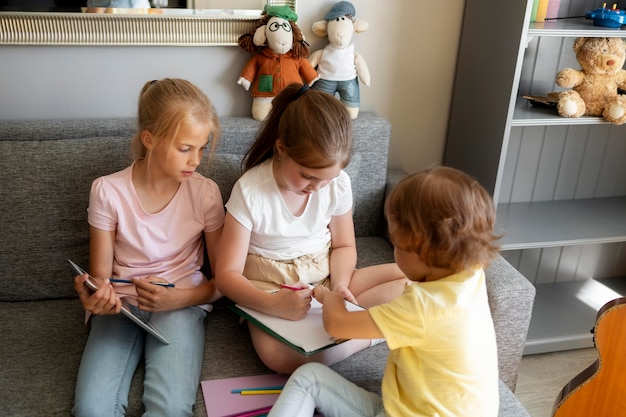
320,292
292,305
153,298
103,301
345,293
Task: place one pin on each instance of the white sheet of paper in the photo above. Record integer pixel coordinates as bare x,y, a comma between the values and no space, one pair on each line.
308,333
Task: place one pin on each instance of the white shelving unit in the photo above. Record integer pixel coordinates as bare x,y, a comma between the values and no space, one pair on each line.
559,184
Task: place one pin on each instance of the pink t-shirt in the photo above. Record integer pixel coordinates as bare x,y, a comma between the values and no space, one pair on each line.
166,244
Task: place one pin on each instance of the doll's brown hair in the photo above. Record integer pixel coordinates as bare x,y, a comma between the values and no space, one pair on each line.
445,216
299,49
165,104
314,127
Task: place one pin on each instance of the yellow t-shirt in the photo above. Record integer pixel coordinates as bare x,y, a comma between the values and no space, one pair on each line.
443,357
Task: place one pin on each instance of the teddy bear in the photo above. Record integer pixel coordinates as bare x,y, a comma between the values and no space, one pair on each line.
340,68
279,59
595,87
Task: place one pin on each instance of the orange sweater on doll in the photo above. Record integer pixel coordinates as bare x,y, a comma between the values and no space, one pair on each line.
279,59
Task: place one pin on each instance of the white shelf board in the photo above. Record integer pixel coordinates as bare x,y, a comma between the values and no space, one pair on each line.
561,223
565,313
526,114
573,28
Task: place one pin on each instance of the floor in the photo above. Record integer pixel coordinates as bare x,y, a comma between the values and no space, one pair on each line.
542,377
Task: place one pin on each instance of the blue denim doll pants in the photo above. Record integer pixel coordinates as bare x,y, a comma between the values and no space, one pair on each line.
314,386
349,92
113,350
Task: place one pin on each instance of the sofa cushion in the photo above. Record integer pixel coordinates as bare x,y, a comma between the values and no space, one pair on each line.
43,342
47,168
43,216
509,404
224,169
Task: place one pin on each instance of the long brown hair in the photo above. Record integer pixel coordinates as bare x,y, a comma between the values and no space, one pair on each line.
314,127
165,104
445,216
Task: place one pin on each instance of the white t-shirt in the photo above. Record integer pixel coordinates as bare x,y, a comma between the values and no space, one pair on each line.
443,358
257,204
337,64
166,244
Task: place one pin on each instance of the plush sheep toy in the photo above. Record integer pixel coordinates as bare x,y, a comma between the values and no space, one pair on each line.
279,58
339,66
595,87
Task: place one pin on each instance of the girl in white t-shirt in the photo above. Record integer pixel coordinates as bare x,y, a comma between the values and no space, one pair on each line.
289,221
147,224
443,359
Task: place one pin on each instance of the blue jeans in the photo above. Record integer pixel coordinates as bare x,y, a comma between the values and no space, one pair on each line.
113,350
314,386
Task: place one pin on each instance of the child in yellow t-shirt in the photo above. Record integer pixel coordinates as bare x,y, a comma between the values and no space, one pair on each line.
442,358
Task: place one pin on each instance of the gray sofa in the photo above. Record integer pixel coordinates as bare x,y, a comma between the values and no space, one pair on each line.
46,169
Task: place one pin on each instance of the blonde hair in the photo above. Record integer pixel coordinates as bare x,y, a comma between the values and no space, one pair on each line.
445,216
314,127
166,104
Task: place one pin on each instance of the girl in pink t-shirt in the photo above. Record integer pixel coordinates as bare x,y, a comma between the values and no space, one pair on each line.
148,224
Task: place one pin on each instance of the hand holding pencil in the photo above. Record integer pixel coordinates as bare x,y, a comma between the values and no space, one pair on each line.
292,302
153,297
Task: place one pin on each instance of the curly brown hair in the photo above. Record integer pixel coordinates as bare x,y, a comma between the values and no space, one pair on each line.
445,216
300,48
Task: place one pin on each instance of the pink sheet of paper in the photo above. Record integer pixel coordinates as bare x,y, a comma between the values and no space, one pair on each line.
220,402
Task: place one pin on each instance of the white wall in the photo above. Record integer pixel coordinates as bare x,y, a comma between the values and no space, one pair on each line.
410,49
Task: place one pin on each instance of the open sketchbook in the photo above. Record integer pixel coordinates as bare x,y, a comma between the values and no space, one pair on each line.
129,310
307,336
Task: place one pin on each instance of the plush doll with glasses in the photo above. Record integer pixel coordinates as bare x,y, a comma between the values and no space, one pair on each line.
280,58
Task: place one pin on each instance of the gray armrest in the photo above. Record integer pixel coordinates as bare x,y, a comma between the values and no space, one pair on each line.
393,177
511,298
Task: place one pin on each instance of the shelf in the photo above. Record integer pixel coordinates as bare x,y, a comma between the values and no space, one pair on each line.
526,114
523,153
565,313
573,28
561,223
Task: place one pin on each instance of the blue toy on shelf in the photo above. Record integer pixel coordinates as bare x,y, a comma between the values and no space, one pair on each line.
610,18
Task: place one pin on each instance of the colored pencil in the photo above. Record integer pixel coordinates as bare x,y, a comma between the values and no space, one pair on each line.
238,390
252,413
261,392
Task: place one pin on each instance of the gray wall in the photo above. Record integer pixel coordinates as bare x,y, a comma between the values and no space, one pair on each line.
411,59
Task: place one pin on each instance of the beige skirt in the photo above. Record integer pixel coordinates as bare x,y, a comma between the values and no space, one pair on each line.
268,274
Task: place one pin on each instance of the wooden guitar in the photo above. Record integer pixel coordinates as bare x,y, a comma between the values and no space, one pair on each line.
600,390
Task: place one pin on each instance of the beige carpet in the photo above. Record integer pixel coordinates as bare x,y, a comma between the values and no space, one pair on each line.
542,377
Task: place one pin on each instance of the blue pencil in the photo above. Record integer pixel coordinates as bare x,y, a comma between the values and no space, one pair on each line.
127,281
